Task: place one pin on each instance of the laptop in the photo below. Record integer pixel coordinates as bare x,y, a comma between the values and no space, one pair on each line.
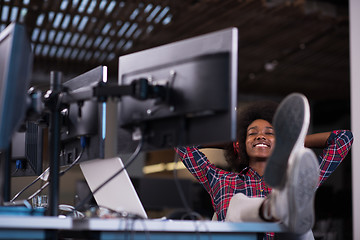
119,194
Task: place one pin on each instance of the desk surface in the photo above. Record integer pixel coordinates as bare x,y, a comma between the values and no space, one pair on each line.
113,228
121,224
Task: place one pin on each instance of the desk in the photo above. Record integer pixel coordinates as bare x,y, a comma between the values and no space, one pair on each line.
37,227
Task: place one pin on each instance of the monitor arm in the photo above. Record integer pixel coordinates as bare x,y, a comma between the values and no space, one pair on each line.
140,89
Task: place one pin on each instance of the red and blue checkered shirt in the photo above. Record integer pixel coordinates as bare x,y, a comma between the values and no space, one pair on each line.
222,185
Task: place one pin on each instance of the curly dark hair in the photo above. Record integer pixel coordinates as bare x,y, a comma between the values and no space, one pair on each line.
257,110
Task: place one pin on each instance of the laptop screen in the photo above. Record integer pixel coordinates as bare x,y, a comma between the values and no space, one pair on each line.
119,194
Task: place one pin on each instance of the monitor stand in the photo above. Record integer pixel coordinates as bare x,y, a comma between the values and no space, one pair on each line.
5,179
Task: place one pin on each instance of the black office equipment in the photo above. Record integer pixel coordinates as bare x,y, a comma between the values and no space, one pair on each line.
197,104
15,69
27,151
84,120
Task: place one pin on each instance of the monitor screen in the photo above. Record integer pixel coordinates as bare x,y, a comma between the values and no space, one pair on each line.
15,70
200,78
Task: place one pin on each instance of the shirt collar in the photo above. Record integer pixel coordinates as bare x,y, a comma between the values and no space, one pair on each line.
248,171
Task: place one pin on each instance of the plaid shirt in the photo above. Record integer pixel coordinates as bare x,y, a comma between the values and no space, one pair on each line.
222,185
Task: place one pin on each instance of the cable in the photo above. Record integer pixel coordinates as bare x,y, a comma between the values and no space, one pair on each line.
45,175
32,183
180,190
77,159
60,174
147,233
38,191
191,214
69,208
18,165
126,165
16,170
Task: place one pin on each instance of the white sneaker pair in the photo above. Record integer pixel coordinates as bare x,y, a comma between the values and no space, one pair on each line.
292,170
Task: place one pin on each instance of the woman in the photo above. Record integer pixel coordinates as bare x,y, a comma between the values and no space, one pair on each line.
248,159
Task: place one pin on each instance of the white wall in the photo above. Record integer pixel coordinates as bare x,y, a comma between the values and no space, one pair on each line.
354,10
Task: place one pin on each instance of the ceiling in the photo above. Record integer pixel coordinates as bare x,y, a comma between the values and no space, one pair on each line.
284,45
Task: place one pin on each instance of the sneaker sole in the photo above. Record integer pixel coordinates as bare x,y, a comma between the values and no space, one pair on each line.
303,181
291,122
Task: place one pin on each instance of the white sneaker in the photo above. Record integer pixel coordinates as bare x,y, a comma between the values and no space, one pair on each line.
291,122
294,204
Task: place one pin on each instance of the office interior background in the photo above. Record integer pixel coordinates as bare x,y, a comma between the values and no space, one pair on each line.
284,46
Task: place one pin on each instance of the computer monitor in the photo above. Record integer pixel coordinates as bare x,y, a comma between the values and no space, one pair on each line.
88,119
27,150
200,75
15,71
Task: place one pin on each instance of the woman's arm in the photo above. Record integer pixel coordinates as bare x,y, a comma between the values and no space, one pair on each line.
317,140
336,148
198,165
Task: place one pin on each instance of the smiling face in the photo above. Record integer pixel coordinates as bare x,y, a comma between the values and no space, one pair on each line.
260,140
